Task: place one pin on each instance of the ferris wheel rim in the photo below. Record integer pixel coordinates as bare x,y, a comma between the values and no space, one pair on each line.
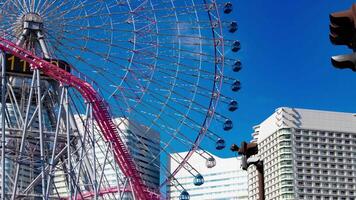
217,79
214,92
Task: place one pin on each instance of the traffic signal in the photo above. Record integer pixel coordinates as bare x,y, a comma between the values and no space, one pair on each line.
343,32
246,150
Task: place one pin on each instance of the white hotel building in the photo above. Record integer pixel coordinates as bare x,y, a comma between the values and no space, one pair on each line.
225,181
307,154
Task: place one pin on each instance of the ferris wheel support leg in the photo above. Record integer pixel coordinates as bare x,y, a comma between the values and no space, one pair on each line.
22,144
42,43
103,167
95,182
22,38
116,173
50,173
82,144
133,194
117,179
3,139
122,193
69,158
40,124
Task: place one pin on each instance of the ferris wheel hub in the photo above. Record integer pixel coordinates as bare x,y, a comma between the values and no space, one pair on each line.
32,21
29,29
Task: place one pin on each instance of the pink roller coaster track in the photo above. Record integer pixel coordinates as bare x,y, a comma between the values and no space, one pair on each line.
100,110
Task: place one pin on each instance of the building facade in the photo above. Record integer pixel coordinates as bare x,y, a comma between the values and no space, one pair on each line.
225,181
307,154
144,146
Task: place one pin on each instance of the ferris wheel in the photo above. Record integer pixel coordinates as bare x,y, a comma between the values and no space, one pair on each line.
97,95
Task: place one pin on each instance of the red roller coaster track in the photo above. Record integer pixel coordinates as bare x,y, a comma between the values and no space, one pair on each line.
100,110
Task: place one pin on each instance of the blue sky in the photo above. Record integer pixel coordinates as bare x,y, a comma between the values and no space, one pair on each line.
286,58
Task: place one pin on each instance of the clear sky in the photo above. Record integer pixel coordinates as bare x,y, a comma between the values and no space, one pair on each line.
286,58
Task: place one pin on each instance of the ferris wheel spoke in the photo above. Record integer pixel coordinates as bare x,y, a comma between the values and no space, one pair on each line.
185,100
159,154
186,124
52,11
16,4
184,87
163,126
146,54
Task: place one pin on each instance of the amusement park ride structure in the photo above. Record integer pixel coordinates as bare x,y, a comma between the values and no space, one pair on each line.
44,155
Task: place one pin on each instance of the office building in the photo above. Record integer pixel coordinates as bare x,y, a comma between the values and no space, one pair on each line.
225,181
144,146
307,154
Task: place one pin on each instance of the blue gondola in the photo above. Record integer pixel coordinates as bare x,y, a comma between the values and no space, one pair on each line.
210,162
184,195
227,7
233,27
228,125
236,46
233,105
236,67
198,180
220,144
236,86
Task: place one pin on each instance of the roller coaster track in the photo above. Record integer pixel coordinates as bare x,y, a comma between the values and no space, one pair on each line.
100,110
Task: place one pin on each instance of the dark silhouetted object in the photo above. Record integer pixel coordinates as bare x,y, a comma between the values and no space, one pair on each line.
236,67
228,125
236,46
233,105
233,27
227,7
220,144
343,32
246,150
236,86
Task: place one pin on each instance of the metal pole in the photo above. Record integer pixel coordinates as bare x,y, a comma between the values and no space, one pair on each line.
43,45
116,172
261,182
42,151
3,139
69,167
95,183
133,194
82,144
59,116
24,132
103,166
23,36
